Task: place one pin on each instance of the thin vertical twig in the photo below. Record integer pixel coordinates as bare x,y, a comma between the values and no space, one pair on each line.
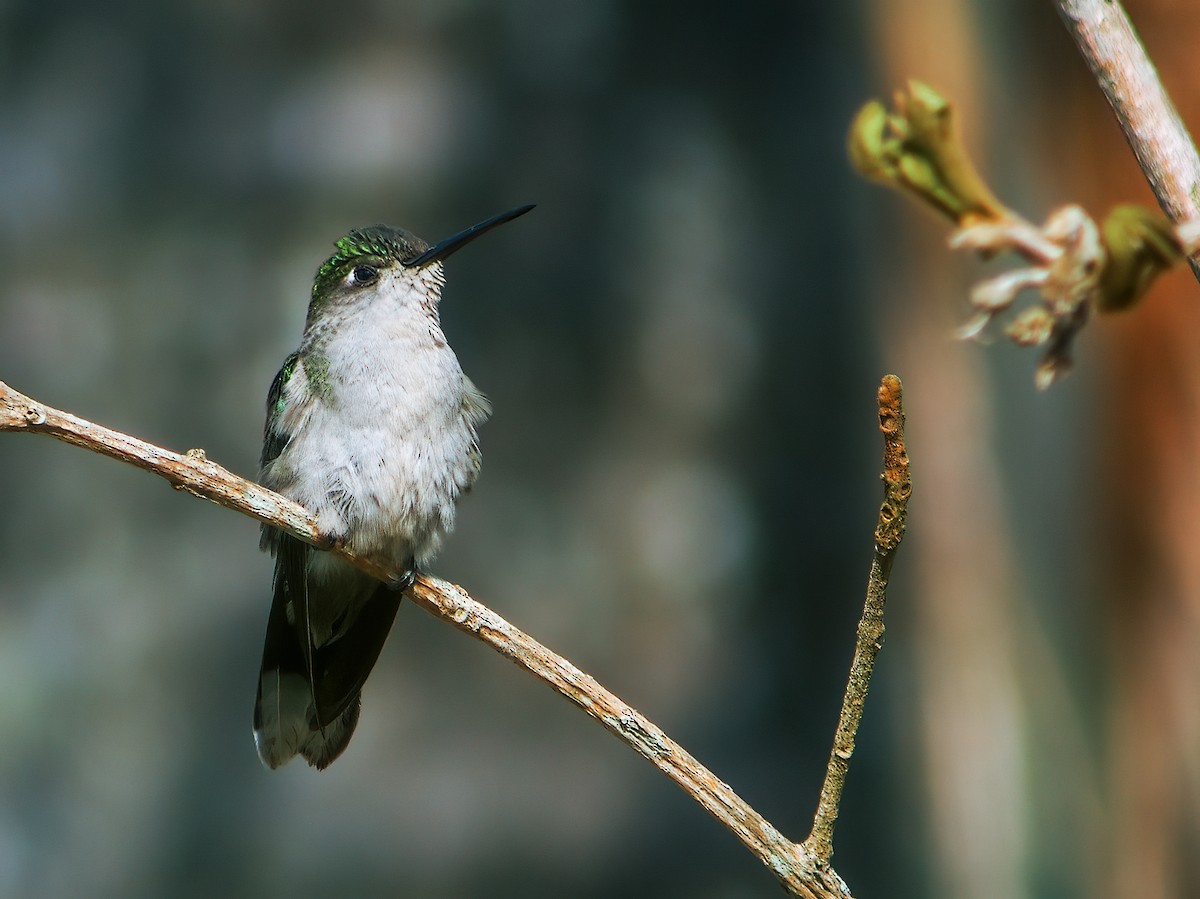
897,485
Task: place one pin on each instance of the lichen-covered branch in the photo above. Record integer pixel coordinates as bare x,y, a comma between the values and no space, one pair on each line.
893,513
795,865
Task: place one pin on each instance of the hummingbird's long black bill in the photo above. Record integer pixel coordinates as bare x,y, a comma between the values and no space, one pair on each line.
444,248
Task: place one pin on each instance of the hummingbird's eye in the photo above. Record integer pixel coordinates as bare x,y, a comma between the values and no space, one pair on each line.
364,274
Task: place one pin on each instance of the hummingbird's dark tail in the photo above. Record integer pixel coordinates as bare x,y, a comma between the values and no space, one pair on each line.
308,695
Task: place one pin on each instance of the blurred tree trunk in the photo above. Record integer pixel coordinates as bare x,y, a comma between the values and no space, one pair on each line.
1148,512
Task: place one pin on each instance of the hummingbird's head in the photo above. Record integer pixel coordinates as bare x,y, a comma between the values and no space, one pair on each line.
366,258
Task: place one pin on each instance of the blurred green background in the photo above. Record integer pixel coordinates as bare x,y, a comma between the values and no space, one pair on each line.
682,344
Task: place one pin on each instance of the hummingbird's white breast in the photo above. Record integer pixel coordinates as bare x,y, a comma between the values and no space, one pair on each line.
383,422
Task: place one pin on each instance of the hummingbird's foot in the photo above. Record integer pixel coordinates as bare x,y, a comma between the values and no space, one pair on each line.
406,580
330,542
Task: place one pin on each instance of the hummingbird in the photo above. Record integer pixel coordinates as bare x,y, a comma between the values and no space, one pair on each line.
373,427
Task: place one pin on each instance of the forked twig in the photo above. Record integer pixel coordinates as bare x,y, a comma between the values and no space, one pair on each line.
803,868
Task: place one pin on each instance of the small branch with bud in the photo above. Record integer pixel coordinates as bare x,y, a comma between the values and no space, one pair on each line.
889,531
802,868
1077,266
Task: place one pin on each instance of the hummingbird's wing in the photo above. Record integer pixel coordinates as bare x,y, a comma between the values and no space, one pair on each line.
291,565
274,438
281,706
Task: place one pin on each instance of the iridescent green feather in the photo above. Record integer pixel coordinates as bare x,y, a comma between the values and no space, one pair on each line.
377,244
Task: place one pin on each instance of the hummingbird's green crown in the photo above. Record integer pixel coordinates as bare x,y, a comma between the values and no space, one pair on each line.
378,245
